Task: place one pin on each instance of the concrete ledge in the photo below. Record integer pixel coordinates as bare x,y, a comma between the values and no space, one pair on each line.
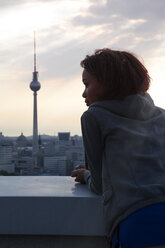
49,205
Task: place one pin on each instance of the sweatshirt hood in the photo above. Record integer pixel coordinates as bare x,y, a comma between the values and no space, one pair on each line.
138,106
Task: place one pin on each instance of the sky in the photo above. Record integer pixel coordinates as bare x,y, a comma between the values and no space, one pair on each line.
66,31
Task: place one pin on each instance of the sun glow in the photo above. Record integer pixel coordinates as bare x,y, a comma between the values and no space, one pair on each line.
36,16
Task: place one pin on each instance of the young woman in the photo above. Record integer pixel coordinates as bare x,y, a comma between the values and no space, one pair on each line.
124,139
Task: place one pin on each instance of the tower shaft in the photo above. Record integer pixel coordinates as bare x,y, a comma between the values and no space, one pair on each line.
35,130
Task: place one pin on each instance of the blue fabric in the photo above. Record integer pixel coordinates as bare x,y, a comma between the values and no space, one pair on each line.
146,227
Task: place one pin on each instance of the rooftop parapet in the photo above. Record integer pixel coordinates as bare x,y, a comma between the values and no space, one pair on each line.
50,205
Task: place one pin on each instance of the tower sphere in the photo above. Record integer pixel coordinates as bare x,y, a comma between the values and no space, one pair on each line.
35,85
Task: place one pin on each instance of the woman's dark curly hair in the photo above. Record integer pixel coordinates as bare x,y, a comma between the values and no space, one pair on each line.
120,73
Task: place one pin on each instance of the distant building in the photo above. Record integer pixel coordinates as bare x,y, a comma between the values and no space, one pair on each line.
1,136
49,148
23,165
6,158
5,154
64,136
24,151
62,149
55,165
22,141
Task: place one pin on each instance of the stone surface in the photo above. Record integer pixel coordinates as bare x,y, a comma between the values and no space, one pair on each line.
43,186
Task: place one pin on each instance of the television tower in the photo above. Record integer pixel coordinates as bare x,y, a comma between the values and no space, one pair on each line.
35,86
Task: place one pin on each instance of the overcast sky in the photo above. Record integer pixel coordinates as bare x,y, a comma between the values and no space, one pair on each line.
67,30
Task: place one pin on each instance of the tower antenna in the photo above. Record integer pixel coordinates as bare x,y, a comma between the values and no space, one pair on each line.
34,51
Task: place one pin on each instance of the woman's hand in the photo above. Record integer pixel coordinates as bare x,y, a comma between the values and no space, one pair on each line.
79,174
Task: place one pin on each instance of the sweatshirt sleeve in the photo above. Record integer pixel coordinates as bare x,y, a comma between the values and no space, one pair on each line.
93,150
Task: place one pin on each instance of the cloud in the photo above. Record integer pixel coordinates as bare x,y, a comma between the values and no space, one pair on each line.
62,62
11,3
129,25
126,24
56,57
130,9
59,46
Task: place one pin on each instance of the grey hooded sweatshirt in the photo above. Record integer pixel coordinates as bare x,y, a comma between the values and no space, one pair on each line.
125,152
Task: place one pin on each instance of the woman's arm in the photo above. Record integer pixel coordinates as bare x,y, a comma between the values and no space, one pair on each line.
93,150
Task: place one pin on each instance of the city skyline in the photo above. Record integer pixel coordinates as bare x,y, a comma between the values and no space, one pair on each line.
66,32
55,155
